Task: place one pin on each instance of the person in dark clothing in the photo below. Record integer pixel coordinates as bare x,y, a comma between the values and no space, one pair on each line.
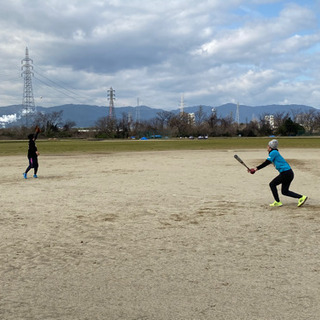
284,178
32,154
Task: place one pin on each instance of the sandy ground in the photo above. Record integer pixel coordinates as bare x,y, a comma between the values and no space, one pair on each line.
158,235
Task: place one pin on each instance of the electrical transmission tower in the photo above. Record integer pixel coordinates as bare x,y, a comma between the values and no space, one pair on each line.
28,100
238,114
138,111
182,104
111,98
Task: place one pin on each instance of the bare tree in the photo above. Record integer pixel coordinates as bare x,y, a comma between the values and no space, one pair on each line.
68,125
317,122
213,124
227,126
106,127
48,122
123,126
251,129
308,120
279,119
181,125
199,116
163,120
265,126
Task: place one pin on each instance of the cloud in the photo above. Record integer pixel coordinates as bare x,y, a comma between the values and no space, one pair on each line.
211,51
6,119
260,38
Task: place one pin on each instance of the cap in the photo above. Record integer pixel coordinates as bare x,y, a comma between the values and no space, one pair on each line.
273,144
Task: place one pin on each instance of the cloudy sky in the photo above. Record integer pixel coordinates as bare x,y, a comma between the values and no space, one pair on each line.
151,52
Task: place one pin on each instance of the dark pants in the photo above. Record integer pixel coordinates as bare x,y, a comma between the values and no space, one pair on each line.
285,178
33,163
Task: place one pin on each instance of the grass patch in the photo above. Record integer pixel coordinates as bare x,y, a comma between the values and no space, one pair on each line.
107,146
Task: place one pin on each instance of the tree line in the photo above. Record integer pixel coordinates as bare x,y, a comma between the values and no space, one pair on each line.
168,124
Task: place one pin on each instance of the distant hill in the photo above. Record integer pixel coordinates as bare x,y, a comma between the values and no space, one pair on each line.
87,115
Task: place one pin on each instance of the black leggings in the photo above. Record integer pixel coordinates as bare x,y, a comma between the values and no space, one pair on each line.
33,163
285,178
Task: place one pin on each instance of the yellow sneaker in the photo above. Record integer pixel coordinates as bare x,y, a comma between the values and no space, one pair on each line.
276,204
302,200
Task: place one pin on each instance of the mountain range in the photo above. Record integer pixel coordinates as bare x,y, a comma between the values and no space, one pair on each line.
86,115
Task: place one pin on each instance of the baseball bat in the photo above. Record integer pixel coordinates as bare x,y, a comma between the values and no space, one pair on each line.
238,158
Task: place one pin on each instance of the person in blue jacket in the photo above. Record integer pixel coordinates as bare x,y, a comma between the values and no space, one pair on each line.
284,178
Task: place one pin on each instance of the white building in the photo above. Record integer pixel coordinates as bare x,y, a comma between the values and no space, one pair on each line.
270,119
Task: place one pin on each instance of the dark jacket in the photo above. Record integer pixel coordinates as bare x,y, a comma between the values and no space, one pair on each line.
32,146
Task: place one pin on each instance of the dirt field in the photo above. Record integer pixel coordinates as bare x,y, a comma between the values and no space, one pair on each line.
160,235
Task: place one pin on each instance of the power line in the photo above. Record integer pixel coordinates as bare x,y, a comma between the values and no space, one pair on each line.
32,71
63,87
60,91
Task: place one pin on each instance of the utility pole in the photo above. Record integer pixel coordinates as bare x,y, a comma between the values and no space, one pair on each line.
28,100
